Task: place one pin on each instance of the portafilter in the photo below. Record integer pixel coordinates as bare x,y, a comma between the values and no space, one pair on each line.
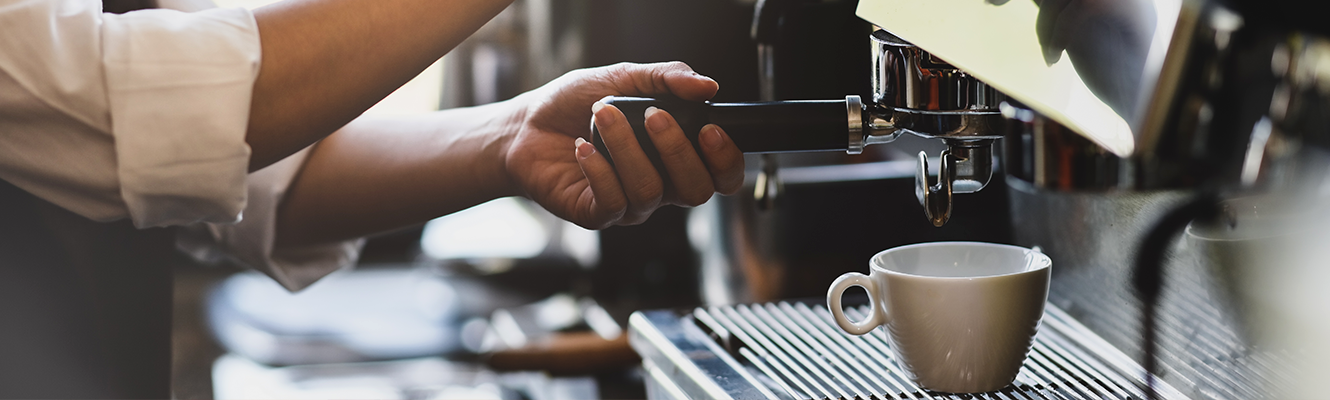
913,92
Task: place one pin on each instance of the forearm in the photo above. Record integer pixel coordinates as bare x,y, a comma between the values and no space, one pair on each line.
378,174
327,61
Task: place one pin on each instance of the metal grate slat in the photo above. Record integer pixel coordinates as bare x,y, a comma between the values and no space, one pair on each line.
801,350
1069,384
1046,379
799,377
757,361
867,356
828,376
821,343
1098,387
1038,388
1091,367
847,376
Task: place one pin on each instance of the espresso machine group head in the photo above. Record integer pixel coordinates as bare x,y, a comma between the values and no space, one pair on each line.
913,92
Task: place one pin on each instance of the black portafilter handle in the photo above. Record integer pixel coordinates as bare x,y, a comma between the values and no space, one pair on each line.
763,127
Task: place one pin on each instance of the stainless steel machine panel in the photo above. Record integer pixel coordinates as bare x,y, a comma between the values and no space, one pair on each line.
1092,238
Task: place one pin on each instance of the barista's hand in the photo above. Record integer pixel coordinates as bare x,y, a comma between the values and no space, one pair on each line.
551,162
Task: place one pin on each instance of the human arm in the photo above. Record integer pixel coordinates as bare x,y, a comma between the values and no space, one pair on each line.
378,174
326,61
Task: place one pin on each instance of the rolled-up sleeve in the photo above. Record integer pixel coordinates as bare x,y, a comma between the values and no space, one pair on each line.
179,88
143,116
140,115
251,242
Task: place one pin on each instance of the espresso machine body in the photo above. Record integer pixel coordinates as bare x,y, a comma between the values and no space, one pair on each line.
1139,157
1169,155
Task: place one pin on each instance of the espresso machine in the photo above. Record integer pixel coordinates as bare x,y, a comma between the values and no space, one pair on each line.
1169,155
913,92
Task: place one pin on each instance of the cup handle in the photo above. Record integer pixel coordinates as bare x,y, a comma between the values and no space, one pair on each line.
876,317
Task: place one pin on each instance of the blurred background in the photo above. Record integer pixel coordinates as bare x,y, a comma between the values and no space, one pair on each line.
504,300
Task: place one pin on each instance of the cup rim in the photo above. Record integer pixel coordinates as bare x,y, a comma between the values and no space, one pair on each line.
1043,261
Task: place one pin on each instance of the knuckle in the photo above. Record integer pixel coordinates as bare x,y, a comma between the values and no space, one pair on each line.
722,160
579,74
673,147
621,76
622,66
616,209
647,191
723,171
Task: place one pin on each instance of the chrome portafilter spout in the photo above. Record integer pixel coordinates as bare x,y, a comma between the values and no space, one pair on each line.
965,167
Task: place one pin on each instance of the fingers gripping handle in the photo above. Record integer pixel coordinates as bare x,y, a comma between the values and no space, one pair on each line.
690,115
767,127
875,315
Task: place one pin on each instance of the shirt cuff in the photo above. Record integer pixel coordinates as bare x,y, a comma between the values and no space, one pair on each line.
250,242
179,88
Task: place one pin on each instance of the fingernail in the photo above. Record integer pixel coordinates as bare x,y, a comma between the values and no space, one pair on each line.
656,124
606,119
711,138
584,149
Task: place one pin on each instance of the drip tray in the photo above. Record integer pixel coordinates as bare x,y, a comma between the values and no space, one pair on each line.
793,350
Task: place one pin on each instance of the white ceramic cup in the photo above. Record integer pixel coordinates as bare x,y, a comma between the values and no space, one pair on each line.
961,316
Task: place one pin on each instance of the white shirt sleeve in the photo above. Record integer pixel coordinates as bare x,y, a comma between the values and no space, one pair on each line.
169,90
179,86
250,242
143,116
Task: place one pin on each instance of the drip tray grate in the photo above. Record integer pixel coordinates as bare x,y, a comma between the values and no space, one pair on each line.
791,350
